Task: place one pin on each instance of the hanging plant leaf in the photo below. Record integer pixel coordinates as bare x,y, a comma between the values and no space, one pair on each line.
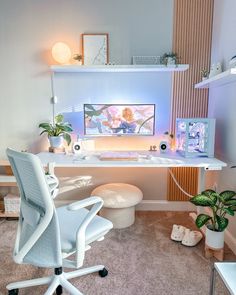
227,195
222,222
229,211
232,208
201,200
202,219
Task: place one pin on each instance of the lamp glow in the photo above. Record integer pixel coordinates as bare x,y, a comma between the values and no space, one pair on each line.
61,53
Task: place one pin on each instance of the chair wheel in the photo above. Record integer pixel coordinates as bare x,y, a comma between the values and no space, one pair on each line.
59,290
103,273
13,292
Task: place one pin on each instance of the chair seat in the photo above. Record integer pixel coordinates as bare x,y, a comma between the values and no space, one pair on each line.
69,222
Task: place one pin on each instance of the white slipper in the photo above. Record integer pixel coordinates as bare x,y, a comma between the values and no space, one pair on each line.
178,233
191,238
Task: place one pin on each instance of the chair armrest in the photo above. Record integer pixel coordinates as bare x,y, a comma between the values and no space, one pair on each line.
53,184
96,203
85,203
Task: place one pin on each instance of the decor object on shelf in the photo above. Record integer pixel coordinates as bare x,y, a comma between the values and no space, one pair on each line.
61,53
170,59
57,132
195,137
219,204
78,58
232,62
95,49
228,76
146,60
204,74
216,69
120,200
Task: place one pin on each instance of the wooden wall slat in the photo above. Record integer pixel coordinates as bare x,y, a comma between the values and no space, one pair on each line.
192,35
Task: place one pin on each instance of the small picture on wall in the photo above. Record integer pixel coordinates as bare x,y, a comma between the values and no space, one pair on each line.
95,49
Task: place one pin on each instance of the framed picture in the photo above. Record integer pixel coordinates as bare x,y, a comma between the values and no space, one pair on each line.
95,49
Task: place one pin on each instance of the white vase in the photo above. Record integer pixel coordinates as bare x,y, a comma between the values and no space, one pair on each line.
215,239
56,141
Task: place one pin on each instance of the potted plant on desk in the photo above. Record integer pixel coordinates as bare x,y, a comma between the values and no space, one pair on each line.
57,132
220,205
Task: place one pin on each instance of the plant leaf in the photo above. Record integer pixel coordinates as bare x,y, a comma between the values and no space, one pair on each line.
222,222
208,192
229,211
59,118
232,208
44,125
202,219
227,195
67,138
201,200
231,202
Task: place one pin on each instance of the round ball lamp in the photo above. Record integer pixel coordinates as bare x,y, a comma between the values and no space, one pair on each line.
61,53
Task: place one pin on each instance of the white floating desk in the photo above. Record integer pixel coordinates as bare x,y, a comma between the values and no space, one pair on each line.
146,159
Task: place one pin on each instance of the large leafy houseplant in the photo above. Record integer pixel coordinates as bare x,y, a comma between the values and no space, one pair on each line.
58,128
220,204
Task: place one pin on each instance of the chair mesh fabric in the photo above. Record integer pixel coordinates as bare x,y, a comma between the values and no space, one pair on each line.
46,252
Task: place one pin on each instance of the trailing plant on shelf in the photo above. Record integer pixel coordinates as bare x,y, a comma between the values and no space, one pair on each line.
170,58
57,131
78,58
220,204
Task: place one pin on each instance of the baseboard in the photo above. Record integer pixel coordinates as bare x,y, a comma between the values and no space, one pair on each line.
163,205
149,205
230,241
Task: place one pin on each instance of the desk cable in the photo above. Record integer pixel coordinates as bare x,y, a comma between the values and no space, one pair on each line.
178,185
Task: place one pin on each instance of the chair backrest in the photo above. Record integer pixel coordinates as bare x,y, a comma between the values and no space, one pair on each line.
38,234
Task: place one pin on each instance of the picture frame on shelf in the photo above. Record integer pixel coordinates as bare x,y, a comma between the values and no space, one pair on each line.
95,49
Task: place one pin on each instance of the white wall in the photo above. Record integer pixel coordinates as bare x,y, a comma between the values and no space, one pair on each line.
28,30
222,100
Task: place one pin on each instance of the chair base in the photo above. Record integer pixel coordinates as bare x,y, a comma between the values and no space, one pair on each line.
58,280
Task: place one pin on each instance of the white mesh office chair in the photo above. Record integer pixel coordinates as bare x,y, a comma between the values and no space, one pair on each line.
46,236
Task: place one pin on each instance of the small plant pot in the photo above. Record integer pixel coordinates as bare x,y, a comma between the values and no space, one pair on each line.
214,239
56,141
171,61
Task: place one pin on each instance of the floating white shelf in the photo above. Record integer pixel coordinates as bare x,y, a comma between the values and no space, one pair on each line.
226,77
117,68
7,180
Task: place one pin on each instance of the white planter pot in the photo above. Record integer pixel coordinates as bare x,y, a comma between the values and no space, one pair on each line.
56,141
214,239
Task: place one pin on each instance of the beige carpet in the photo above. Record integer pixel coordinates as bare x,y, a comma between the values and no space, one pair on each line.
142,260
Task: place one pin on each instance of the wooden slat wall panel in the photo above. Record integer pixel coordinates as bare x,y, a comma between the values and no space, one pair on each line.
187,178
192,35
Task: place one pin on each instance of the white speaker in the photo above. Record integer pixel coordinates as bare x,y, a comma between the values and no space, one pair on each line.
76,148
164,146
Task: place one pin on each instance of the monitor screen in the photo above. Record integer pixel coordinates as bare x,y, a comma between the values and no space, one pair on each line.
119,119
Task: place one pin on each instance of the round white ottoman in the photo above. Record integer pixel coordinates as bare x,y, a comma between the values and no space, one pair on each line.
119,202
